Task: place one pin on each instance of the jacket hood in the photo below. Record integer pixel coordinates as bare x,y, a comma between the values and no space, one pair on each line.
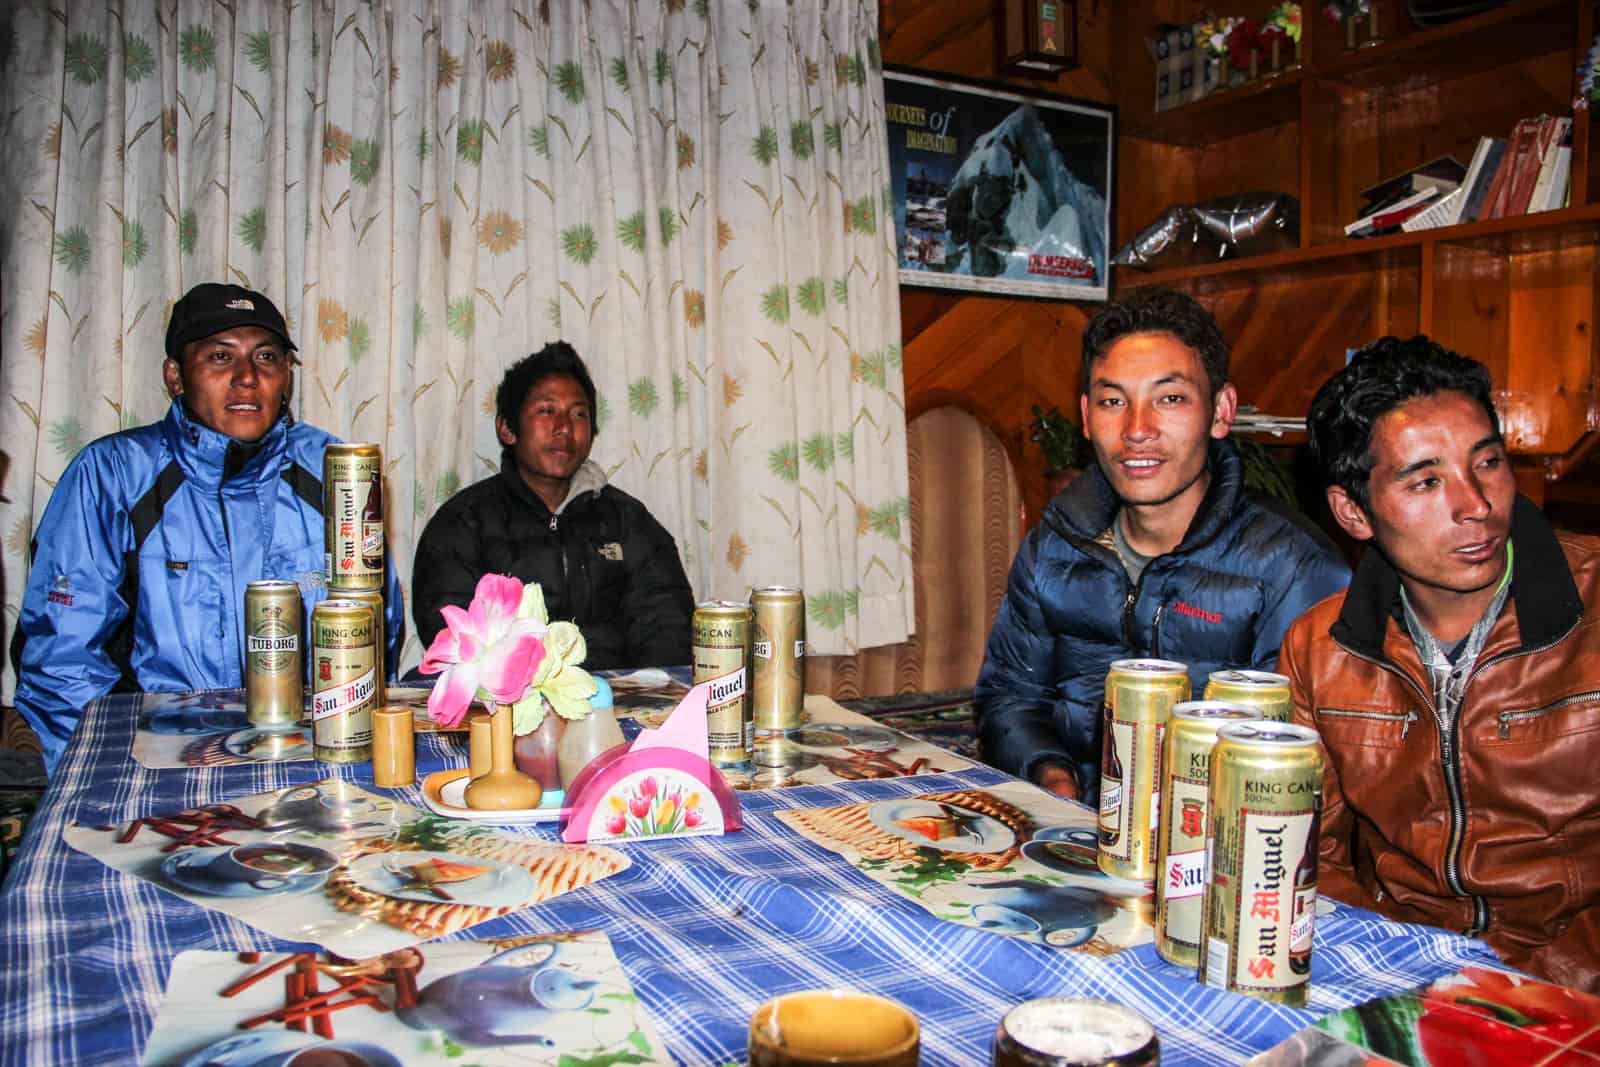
204,454
1084,509
1543,593
589,478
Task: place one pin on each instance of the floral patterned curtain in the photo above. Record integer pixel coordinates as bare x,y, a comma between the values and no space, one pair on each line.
693,192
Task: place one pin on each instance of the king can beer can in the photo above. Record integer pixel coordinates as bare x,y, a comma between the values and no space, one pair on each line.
344,681
352,501
274,675
1259,689
1139,697
1261,895
1181,857
721,642
777,658
373,598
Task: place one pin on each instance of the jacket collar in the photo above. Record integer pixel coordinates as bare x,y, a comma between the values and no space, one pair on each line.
1543,594
203,452
1084,509
590,478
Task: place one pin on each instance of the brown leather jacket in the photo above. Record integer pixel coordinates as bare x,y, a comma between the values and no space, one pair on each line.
1493,831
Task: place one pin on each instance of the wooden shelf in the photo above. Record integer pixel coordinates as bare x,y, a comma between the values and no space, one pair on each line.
1405,63
1259,105
1483,42
1543,232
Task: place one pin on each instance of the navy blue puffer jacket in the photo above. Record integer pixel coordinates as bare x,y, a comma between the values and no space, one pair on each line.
1223,598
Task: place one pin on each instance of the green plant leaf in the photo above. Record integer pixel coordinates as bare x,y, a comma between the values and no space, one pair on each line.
669,225
258,50
539,139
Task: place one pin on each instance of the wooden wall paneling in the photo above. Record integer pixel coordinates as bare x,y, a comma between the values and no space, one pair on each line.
1471,300
1356,135
1151,177
1584,172
1549,385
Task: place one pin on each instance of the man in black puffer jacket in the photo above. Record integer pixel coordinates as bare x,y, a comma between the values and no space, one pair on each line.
1158,550
549,517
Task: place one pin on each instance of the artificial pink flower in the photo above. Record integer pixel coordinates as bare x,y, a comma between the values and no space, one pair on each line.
486,652
640,806
616,824
647,787
692,817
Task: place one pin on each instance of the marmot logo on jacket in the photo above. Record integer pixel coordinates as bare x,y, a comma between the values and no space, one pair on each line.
1196,613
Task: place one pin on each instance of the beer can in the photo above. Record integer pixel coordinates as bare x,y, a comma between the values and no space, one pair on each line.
1074,1032
274,673
721,640
1181,855
1139,697
344,681
1261,895
373,598
777,660
352,506
1259,689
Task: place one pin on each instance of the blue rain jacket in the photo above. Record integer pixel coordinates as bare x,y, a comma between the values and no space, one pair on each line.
1221,599
142,558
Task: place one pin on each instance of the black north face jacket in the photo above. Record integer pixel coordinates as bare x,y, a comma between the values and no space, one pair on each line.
602,560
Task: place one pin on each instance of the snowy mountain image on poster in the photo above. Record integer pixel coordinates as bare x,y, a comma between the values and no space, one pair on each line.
994,192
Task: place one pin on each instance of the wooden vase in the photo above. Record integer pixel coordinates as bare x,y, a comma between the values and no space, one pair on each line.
503,788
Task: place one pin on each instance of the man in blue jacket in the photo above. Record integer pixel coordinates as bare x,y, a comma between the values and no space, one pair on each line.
152,534
1158,550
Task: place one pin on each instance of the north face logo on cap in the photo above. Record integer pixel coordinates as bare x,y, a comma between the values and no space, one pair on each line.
241,305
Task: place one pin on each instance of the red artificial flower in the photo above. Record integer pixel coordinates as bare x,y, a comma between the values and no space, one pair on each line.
616,824
1243,39
639,806
692,817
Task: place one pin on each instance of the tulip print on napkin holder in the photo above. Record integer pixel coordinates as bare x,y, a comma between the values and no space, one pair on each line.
660,785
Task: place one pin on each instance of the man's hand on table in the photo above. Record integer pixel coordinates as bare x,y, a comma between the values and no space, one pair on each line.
1057,779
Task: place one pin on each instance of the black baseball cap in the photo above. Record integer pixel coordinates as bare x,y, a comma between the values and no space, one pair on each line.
212,307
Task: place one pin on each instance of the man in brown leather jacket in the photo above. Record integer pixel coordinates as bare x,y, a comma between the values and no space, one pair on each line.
1456,683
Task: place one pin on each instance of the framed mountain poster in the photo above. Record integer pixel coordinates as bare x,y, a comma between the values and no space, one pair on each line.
999,191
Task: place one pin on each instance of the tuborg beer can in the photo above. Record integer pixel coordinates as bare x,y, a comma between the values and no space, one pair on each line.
343,681
1139,697
721,642
1261,894
373,598
777,661
1181,856
274,675
352,503
1259,689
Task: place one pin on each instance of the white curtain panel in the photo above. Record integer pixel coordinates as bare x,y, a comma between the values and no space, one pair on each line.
692,192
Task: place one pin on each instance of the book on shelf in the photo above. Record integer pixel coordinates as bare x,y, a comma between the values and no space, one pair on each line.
1550,191
1441,212
1512,191
1518,147
1389,218
1444,174
1485,164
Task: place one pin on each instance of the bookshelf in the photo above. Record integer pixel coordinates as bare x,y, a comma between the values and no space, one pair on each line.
1518,293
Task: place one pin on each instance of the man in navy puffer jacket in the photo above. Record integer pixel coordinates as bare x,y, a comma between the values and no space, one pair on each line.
140,562
1158,550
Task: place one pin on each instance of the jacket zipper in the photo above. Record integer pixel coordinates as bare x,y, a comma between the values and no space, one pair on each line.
1384,716
1509,717
1155,631
227,541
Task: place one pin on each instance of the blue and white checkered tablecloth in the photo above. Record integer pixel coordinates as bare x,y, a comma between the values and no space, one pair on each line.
705,928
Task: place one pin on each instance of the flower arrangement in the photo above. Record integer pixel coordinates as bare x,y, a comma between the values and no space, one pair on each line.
647,810
1286,17
1244,41
1213,34
503,649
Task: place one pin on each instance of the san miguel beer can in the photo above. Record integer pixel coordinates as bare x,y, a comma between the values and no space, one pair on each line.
274,675
373,598
1259,689
344,681
1139,697
1261,896
352,508
777,683
721,641
1181,855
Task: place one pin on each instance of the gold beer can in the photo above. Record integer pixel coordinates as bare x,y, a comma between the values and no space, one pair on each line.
373,598
344,681
1259,689
352,507
274,674
1139,697
777,682
1181,856
1261,894
721,640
